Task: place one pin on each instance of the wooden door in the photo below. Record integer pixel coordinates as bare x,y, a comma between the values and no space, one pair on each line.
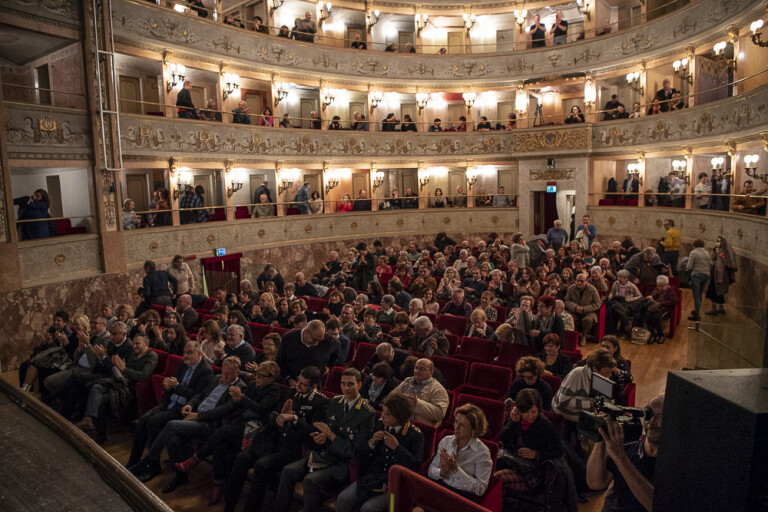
408,108
355,106
255,181
207,183
255,105
44,84
410,180
456,42
315,183
130,95
137,188
307,106
359,181
455,111
198,96
404,38
53,186
455,179
352,31
506,179
505,40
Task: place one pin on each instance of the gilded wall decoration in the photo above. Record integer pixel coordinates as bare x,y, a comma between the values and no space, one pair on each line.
31,125
552,174
61,13
141,22
551,140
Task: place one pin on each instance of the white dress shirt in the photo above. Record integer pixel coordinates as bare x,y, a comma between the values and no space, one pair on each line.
474,463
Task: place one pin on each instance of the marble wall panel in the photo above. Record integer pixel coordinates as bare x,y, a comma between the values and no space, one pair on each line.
54,259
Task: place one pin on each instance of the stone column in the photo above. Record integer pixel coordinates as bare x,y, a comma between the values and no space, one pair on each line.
105,150
10,277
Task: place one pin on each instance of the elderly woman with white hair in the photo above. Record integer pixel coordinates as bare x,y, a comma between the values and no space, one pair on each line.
429,341
415,309
663,300
622,301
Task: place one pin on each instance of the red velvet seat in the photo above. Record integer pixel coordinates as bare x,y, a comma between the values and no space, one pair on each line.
209,303
145,395
571,340
476,350
160,310
315,305
363,355
279,330
241,212
453,343
430,440
454,370
157,386
454,324
258,331
162,360
493,409
408,489
502,312
385,328
574,355
605,202
332,385
488,381
172,364
432,317
554,382
351,353
510,354
628,395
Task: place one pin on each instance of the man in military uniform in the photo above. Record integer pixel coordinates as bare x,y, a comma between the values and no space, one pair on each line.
280,444
395,442
348,426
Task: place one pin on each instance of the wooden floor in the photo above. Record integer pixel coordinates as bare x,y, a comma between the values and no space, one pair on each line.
650,365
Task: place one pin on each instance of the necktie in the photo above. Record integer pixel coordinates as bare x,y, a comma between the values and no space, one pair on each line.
346,407
392,430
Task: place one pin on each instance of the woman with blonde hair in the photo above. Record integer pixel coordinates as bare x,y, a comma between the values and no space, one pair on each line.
477,326
450,282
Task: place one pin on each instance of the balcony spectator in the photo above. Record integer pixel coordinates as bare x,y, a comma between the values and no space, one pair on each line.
198,7
676,188
335,123
462,124
442,51
676,103
752,203
576,116
408,125
315,203
263,189
656,107
266,118
240,115
721,185
130,219
559,30
501,200
665,94
190,200
358,44
511,121
210,113
301,199
286,122
438,201
184,102
630,187
234,22
315,123
391,47
411,200
390,123
460,199
305,29
362,203
258,25
436,125
285,32
483,125
538,33
409,48
346,204
637,110
701,191
611,107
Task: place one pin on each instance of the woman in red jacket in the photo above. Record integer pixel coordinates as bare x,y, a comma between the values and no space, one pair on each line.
346,203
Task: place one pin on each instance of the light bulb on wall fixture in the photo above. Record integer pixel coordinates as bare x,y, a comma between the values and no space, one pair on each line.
276,4
375,100
421,21
372,18
590,95
328,97
633,80
755,26
231,84
681,69
422,100
469,99
469,20
281,92
325,10
520,17
583,7
750,167
177,75
521,100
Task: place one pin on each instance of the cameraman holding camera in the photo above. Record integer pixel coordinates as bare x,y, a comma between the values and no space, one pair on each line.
631,466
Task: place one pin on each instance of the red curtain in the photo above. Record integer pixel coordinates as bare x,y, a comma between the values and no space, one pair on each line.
222,271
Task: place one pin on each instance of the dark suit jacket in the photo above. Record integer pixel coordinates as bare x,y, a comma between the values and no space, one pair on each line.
224,406
201,377
635,186
376,461
397,362
244,352
663,96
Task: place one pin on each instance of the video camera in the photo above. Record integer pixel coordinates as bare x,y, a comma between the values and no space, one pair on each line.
630,418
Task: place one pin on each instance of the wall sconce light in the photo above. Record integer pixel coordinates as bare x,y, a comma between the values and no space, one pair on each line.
521,100
718,169
236,182
633,171
177,76
172,167
325,10
422,100
287,178
375,100
520,17
332,179
378,179
328,98
184,181
750,167
231,84
754,27
583,7
421,22
281,92
423,180
590,95
471,178
633,79
372,17
720,55
681,70
469,99
469,20
680,168
276,4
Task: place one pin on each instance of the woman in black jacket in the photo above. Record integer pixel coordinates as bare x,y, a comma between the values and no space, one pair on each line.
555,362
529,439
529,370
379,385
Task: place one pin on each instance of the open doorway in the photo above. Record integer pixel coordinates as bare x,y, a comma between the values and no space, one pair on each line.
544,211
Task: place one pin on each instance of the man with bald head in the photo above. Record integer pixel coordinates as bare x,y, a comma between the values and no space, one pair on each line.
429,397
309,346
303,287
386,353
185,310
